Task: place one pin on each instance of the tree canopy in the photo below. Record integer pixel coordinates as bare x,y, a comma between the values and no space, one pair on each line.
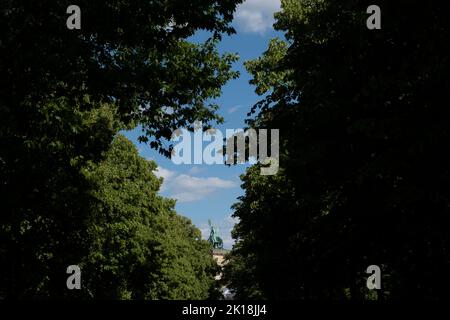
138,247
64,96
364,132
363,122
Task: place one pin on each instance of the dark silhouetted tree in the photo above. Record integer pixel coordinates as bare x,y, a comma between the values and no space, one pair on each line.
364,123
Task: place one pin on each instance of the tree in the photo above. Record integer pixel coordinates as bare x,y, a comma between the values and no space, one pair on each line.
133,54
139,248
365,155
64,94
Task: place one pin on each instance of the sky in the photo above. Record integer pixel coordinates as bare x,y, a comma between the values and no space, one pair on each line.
208,191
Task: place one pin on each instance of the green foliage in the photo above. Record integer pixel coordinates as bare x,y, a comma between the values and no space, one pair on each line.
364,129
266,70
133,54
44,199
64,95
258,251
139,248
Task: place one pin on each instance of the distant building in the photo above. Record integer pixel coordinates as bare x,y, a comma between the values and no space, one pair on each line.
218,253
219,257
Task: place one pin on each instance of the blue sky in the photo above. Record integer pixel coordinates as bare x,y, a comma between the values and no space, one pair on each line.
207,191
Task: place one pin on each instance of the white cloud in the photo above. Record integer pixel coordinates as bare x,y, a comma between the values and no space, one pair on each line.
256,16
234,109
196,170
186,188
231,221
165,174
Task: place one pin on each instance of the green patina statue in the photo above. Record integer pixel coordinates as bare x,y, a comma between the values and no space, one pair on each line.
214,239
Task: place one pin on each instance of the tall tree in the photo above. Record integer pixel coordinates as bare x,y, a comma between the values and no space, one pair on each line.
364,129
139,248
63,96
